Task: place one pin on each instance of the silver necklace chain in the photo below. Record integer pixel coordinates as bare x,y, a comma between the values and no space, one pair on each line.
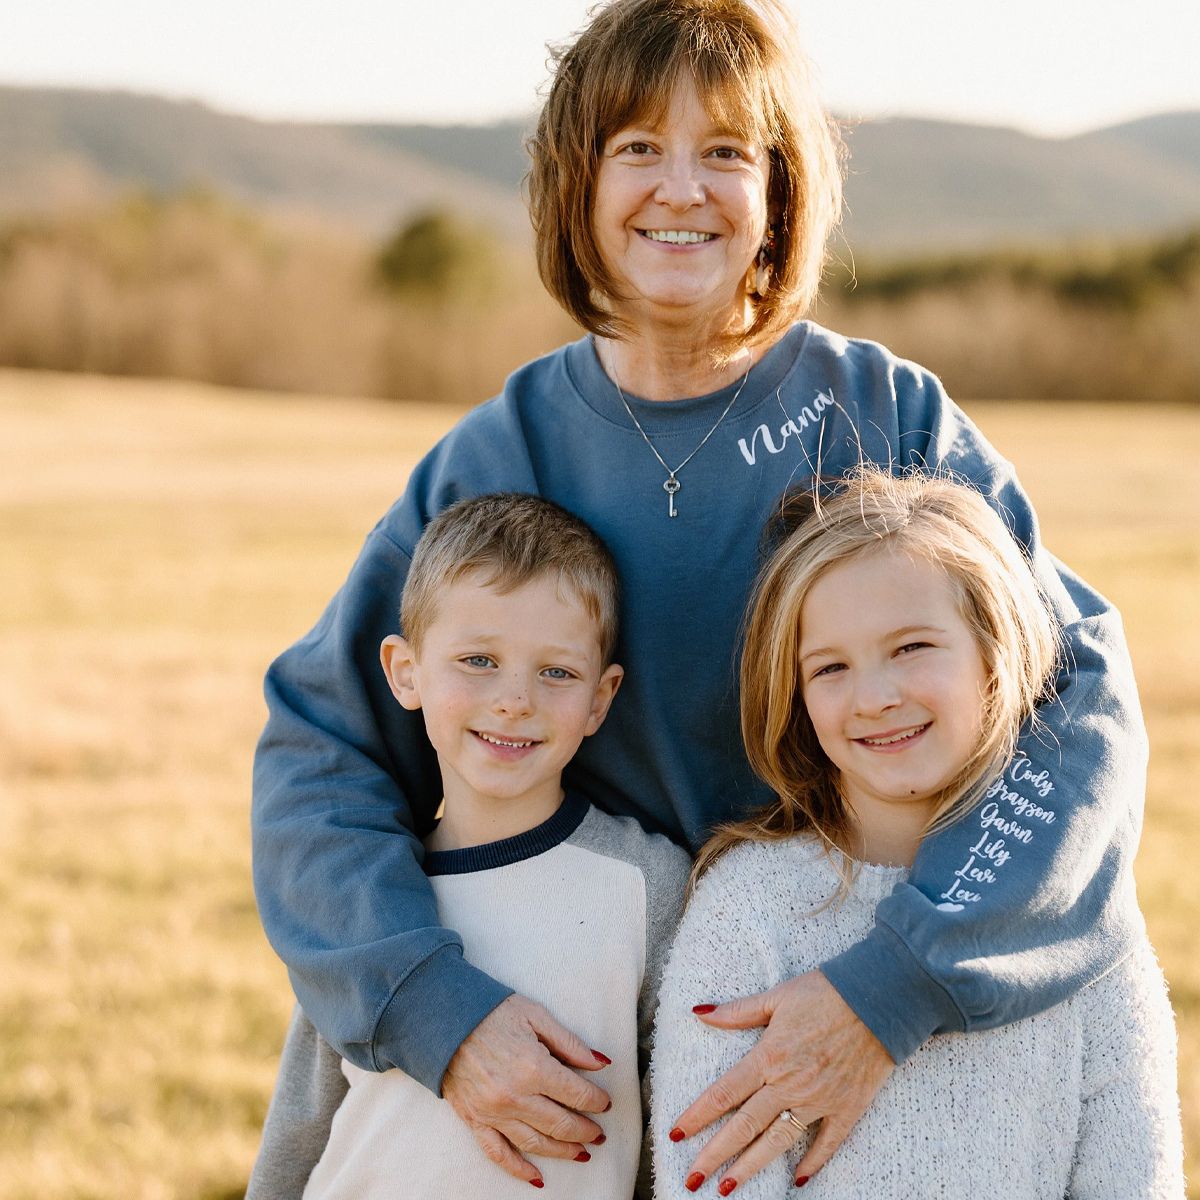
671,484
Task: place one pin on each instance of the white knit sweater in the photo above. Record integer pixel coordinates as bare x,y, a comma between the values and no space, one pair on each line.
1079,1101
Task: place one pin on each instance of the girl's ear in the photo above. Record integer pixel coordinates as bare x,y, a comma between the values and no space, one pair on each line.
606,689
400,667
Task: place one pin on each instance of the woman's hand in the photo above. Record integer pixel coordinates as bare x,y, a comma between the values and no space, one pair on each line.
815,1059
508,1082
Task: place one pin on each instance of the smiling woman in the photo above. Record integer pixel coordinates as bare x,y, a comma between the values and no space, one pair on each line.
683,185
681,208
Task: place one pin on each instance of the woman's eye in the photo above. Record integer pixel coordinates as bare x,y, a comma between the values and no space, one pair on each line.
729,153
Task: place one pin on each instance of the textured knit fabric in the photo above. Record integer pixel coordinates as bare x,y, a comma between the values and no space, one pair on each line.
577,914
346,783
1077,1101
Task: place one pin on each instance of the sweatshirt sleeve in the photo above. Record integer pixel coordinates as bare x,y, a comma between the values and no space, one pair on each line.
345,785
1029,897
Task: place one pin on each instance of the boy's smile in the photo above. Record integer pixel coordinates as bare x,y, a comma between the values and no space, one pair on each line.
509,684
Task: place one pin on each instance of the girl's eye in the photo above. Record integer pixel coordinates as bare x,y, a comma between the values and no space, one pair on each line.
912,646
828,669
479,661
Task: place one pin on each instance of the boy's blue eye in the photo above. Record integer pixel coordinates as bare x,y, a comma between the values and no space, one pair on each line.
557,673
481,661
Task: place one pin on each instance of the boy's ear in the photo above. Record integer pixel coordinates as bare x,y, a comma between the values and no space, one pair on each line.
606,689
399,665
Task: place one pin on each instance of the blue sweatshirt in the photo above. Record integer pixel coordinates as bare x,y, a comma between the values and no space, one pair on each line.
1004,914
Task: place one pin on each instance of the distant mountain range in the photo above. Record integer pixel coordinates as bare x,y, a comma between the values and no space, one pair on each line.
914,185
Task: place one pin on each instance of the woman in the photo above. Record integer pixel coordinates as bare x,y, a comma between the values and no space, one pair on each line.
684,183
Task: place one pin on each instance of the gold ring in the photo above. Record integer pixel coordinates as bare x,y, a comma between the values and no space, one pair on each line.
788,1116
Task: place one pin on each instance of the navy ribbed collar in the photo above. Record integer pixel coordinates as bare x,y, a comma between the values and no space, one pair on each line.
529,844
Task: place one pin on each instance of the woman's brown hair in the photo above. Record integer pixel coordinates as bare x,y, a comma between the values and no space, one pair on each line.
751,74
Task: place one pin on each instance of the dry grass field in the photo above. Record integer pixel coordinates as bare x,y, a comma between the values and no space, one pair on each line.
158,543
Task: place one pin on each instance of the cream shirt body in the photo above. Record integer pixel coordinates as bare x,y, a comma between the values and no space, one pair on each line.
580,926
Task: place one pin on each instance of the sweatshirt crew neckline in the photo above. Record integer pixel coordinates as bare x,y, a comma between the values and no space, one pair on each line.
550,833
767,377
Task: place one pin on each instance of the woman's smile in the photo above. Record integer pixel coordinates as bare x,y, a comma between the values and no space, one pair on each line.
680,213
677,237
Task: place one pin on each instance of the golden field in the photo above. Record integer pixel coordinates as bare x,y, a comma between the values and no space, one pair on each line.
159,542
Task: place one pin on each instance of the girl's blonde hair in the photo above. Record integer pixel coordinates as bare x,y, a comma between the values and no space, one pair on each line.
930,519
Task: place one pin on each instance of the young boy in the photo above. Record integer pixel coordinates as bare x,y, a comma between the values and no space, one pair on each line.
509,619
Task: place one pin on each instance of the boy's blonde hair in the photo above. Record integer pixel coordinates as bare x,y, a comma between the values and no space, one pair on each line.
752,75
510,539
930,519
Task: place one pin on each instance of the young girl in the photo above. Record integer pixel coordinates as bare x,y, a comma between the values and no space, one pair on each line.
896,644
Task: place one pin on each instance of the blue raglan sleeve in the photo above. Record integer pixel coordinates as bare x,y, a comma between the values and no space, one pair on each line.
345,785
1029,897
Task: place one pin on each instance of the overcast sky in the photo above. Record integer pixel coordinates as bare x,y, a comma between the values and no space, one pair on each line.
1048,66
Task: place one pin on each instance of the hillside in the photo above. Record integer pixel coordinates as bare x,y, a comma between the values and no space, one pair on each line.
926,185
66,148
914,185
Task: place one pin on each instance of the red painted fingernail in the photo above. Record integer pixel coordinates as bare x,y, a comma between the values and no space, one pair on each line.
536,1183
583,1156
599,1141
693,1181
726,1186
677,1135
702,1010
801,1180
602,1058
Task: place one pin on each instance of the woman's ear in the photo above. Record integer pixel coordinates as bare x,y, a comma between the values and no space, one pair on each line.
606,689
400,667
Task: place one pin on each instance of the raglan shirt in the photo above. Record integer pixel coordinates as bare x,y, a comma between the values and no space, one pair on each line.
579,913
346,783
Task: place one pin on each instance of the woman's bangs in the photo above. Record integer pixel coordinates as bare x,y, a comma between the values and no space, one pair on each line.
739,102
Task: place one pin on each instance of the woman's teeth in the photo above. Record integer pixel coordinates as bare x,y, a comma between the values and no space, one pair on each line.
677,237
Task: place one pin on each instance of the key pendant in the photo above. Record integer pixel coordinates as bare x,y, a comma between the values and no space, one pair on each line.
671,486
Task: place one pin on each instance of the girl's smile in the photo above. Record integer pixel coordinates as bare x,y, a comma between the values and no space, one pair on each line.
894,685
